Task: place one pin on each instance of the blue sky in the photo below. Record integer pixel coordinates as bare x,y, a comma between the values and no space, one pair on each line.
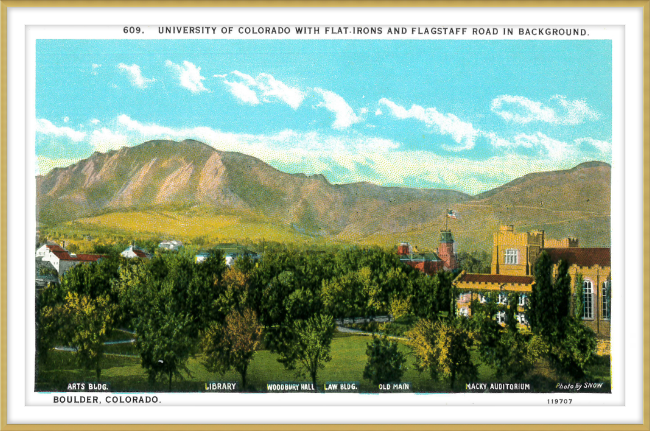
464,115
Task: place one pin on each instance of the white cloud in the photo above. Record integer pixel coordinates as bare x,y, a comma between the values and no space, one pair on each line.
188,75
352,156
264,87
242,92
545,145
95,67
446,124
45,127
286,140
363,111
66,119
522,110
104,140
135,75
378,111
575,111
602,146
151,130
249,80
95,121
344,114
272,88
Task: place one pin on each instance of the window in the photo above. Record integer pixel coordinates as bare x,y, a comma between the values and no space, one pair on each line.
463,312
588,299
501,317
521,318
607,299
503,298
511,256
484,299
523,300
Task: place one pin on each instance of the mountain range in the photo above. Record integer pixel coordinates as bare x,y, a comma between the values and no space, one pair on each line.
166,176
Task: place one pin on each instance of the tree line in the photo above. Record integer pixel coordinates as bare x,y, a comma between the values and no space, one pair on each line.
287,303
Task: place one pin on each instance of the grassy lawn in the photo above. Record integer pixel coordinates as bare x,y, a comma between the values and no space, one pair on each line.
125,374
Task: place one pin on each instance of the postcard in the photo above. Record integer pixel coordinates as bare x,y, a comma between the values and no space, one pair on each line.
234,212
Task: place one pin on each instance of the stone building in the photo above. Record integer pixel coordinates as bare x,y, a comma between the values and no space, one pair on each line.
430,263
513,259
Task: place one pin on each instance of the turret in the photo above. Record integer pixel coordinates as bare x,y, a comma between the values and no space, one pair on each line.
446,251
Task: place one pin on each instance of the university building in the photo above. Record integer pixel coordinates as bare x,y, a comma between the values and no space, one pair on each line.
513,259
444,259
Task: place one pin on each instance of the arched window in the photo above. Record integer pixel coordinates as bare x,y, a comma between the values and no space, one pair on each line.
501,317
607,299
503,298
588,299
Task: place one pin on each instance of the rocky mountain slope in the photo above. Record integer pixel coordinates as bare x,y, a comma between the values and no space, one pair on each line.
167,175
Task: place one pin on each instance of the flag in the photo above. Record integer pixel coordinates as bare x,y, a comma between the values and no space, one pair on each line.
452,214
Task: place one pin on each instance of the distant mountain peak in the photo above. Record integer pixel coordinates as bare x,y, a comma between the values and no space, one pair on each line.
166,174
593,164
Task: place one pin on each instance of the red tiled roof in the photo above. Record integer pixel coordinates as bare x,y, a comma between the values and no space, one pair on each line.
581,256
139,253
89,257
54,247
64,255
496,278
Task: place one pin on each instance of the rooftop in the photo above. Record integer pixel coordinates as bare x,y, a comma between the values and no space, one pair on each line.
65,255
495,278
581,256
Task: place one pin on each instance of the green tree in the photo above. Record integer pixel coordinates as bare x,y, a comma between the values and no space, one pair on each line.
385,362
475,262
234,344
443,349
571,353
562,296
338,296
511,311
543,311
164,341
578,304
150,294
48,328
311,349
431,296
86,324
570,344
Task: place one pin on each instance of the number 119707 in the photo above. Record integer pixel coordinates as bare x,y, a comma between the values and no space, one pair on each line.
560,400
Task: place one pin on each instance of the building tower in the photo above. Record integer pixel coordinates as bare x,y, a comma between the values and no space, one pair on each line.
446,251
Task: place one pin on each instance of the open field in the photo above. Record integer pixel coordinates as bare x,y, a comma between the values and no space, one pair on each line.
348,360
191,227
203,226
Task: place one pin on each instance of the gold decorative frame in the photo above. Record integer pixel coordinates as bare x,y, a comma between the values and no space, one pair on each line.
644,4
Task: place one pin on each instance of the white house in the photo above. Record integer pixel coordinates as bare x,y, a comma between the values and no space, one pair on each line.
133,252
172,245
61,259
201,257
